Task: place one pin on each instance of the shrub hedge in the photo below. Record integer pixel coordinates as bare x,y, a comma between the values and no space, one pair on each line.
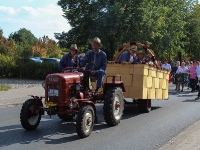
26,69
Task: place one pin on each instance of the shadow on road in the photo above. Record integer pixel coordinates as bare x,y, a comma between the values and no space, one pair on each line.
55,131
49,131
191,100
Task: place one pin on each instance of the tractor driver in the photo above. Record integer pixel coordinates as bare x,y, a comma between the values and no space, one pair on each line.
97,61
71,59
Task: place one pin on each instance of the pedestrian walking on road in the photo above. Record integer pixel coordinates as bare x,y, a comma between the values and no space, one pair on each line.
193,74
182,71
173,73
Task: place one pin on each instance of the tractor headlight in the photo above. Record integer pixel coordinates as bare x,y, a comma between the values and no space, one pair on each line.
43,85
78,87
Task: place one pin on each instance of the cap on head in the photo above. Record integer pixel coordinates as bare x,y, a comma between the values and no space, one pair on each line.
97,40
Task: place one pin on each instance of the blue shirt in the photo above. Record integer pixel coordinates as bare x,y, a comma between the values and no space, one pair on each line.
125,56
140,61
99,59
66,61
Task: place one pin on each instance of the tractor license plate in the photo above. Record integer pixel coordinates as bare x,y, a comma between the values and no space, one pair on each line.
52,92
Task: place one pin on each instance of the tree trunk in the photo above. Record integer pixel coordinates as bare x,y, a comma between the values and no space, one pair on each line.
112,50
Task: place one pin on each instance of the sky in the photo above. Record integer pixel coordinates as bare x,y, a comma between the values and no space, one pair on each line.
41,17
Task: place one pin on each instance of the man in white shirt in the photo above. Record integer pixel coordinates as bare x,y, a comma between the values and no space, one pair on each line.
166,65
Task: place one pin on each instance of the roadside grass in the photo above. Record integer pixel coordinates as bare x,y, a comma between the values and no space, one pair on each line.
4,87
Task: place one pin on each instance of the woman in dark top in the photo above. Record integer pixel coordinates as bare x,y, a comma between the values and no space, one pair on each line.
71,59
173,72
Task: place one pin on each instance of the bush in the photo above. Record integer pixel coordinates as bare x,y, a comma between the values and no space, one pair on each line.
6,66
33,70
26,69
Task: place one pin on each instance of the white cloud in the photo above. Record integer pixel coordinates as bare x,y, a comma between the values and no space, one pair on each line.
40,21
50,10
9,10
30,10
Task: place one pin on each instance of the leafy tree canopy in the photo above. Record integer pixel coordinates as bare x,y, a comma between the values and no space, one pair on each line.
159,24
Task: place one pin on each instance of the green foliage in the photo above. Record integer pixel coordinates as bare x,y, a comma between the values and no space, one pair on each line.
7,47
159,24
192,30
26,69
24,37
1,32
6,66
15,51
25,41
4,87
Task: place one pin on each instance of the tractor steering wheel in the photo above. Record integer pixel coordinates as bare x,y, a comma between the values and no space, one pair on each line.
71,69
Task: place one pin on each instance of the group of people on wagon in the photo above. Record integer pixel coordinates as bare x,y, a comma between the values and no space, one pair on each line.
134,56
99,59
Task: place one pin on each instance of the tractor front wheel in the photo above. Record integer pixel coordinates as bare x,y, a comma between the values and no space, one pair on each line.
85,121
144,105
30,116
113,106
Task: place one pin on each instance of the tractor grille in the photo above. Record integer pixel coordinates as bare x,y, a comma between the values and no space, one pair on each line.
50,86
57,86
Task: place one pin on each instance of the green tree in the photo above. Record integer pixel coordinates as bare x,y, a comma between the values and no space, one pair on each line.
25,41
111,21
46,47
7,47
192,30
159,24
1,32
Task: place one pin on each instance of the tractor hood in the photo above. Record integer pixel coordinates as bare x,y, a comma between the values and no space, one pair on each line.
65,77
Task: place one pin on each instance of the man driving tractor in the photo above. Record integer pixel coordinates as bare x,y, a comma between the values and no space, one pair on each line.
97,60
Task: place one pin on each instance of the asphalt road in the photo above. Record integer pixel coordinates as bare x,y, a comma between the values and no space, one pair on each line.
135,132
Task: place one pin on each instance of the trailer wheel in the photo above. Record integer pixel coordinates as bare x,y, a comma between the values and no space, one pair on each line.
66,117
113,106
85,121
144,106
29,116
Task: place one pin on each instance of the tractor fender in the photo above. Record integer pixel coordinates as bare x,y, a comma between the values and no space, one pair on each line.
115,84
89,103
38,103
93,106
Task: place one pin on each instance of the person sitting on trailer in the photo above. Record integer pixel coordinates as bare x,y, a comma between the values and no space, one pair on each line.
148,59
141,57
128,56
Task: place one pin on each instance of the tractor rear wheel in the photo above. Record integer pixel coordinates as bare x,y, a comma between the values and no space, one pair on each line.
144,106
113,106
30,116
66,117
85,121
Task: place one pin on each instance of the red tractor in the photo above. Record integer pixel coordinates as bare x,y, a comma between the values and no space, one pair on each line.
68,94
